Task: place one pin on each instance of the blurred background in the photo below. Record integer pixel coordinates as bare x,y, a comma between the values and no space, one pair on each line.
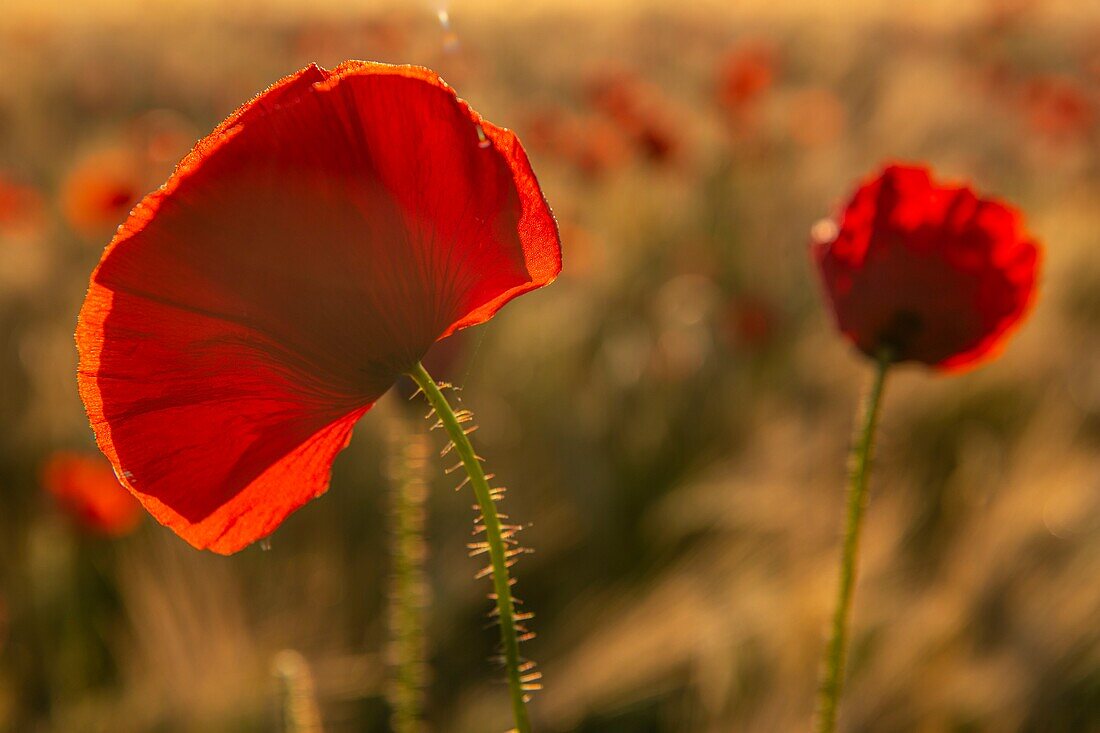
672,415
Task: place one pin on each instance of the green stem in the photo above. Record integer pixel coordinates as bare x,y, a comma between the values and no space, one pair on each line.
407,584
832,681
498,558
300,712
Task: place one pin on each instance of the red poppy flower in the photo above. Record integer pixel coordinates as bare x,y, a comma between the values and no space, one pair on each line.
746,74
1058,109
932,272
590,143
636,109
306,253
88,490
100,189
22,210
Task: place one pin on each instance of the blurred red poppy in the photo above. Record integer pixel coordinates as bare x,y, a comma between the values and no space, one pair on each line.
591,144
100,189
303,256
22,209
594,146
88,490
746,74
1058,109
932,272
637,110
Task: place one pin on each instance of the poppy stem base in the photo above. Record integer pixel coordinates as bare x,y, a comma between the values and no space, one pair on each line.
832,680
499,555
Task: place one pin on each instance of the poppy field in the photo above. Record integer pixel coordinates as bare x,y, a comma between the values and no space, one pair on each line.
576,369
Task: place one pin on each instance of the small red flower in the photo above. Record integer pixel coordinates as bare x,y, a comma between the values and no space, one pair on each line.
589,143
931,272
304,255
594,146
1058,109
87,489
637,110
746,75
100,189
22,209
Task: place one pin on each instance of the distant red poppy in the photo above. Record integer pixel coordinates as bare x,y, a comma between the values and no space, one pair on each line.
1058,108
100,190
591,144
87,489
930,271
594,146
304,255
746,74
22,210
636,108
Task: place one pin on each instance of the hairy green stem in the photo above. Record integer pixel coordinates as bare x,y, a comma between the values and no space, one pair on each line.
832,681
498,557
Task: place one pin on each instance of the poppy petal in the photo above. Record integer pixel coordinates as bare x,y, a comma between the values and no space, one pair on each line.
537,227
305,254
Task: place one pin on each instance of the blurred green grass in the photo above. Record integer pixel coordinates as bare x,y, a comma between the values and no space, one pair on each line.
672,415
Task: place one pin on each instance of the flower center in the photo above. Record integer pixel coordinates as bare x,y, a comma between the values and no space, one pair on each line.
899,332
